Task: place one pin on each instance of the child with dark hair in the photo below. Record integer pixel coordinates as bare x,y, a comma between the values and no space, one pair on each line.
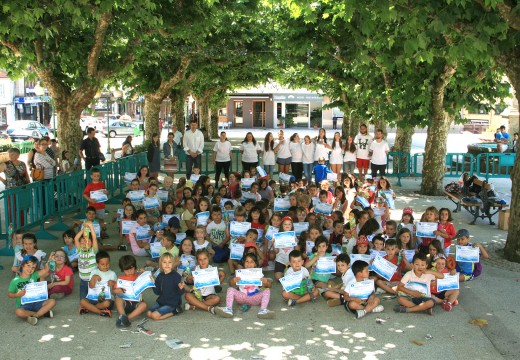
70,248
363,305
446,231
303,293
321,249
127,308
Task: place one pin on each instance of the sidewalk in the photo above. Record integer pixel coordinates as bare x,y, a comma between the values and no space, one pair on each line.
309,331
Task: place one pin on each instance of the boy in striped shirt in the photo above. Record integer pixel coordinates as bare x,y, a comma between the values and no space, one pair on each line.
87,245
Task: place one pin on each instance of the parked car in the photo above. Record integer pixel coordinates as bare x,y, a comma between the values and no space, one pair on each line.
88,122
118,128
26,129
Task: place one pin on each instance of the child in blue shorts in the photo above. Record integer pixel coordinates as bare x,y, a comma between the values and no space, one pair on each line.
33,311
467,270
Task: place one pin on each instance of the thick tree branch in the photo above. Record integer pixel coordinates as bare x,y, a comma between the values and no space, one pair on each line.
11,46
99,41
38,50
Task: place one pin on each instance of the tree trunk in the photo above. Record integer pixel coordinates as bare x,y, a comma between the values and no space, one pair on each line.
204,113
435,148
213,133
403,143
380,123
68,130
354,126
511,62
178,108
152,108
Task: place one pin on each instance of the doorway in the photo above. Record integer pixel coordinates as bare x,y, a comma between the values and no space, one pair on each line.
259,114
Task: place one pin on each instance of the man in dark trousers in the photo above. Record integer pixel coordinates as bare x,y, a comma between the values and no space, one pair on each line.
91,147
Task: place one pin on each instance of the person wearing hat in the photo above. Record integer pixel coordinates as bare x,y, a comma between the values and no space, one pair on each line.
468,270
361,246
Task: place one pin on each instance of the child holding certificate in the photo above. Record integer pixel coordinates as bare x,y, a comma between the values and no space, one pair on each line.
250,245
201,242
127,309
414,287
106,279
250,295
303,293
282,255
170,287
61,279
205,298
359,297
334,295
469,270
128,215
392,255
321,249
431,215
154,207
31,311
29,247
138,242
96,186
448,298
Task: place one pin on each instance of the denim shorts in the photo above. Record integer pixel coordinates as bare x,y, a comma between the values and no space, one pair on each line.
33,307
286,161
162,309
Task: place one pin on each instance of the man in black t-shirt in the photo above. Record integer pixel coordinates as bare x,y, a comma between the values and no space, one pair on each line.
91,147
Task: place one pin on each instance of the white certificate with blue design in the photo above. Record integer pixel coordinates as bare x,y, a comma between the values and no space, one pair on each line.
155,249
99,196
364,202
150,203
228,215
236,251
426,229
129,177
100,290
261,171
292,281
179,237
467,254
34,292
362,257
205,277
247,182
336,249
388,195
271,230
309,245
252,276
284,177
409,254
187,261
237,229
282,204
97,229
141,233
300,227
128,288
418,286
383,267
126,226
332,176
323,208
286,239
162,194
136,195
202,218
247,195
325,265
381,253
143,282
450,282
361,289
167,217
194,178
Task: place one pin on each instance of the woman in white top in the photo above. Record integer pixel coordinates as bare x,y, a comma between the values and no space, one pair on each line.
282,149
249,150
349,159
308,148
336,156
322,148
222,157
43,161
268,156
297,156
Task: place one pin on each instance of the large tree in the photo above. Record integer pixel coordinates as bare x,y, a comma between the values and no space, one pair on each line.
73,48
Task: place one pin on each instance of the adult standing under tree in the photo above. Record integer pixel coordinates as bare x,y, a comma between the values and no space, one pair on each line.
249,150
222,157
322,148
43,161
379,150
283,151
90,145
16,174
193,146
362,142
154,156
169,149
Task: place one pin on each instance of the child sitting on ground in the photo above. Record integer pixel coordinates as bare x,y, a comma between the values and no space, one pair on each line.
251,236
361,306
448,298
61,279
468,270
107,278
335,295
304,293
70,249
33,311
167,246
393,255
414,288
249,295
29,247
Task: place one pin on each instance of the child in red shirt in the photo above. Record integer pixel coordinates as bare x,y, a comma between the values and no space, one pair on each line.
392,255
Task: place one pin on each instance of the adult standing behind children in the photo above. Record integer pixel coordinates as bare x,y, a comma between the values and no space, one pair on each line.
154,156
222,157
362,142
283,151
169,149
90,145
249,149
193,146
379,149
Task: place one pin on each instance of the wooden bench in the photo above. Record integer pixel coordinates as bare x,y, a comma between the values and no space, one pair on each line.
485,209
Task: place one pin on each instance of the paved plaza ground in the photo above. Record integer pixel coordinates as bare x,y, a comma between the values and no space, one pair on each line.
309,331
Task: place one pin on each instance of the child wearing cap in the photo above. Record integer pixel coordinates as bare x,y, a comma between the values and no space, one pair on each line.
467,270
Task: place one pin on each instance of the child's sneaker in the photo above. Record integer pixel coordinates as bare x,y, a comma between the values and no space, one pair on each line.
188,307
83,311
333,302
33,320
400,309
49,314
211,310
119,323
447,306
121,248
455,302
360,314
105,313
125,321
378,309
291,302
265,314
224,312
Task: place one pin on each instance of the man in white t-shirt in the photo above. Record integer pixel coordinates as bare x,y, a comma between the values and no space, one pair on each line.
193,147
363,141
379,149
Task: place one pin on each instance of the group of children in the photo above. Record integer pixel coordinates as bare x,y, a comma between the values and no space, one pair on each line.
186,232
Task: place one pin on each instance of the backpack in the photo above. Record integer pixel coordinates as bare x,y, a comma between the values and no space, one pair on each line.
453,187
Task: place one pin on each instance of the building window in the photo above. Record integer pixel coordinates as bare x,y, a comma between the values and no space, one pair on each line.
258,113
239,113
299,113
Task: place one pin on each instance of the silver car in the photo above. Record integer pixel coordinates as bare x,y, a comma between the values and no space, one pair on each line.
118,128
